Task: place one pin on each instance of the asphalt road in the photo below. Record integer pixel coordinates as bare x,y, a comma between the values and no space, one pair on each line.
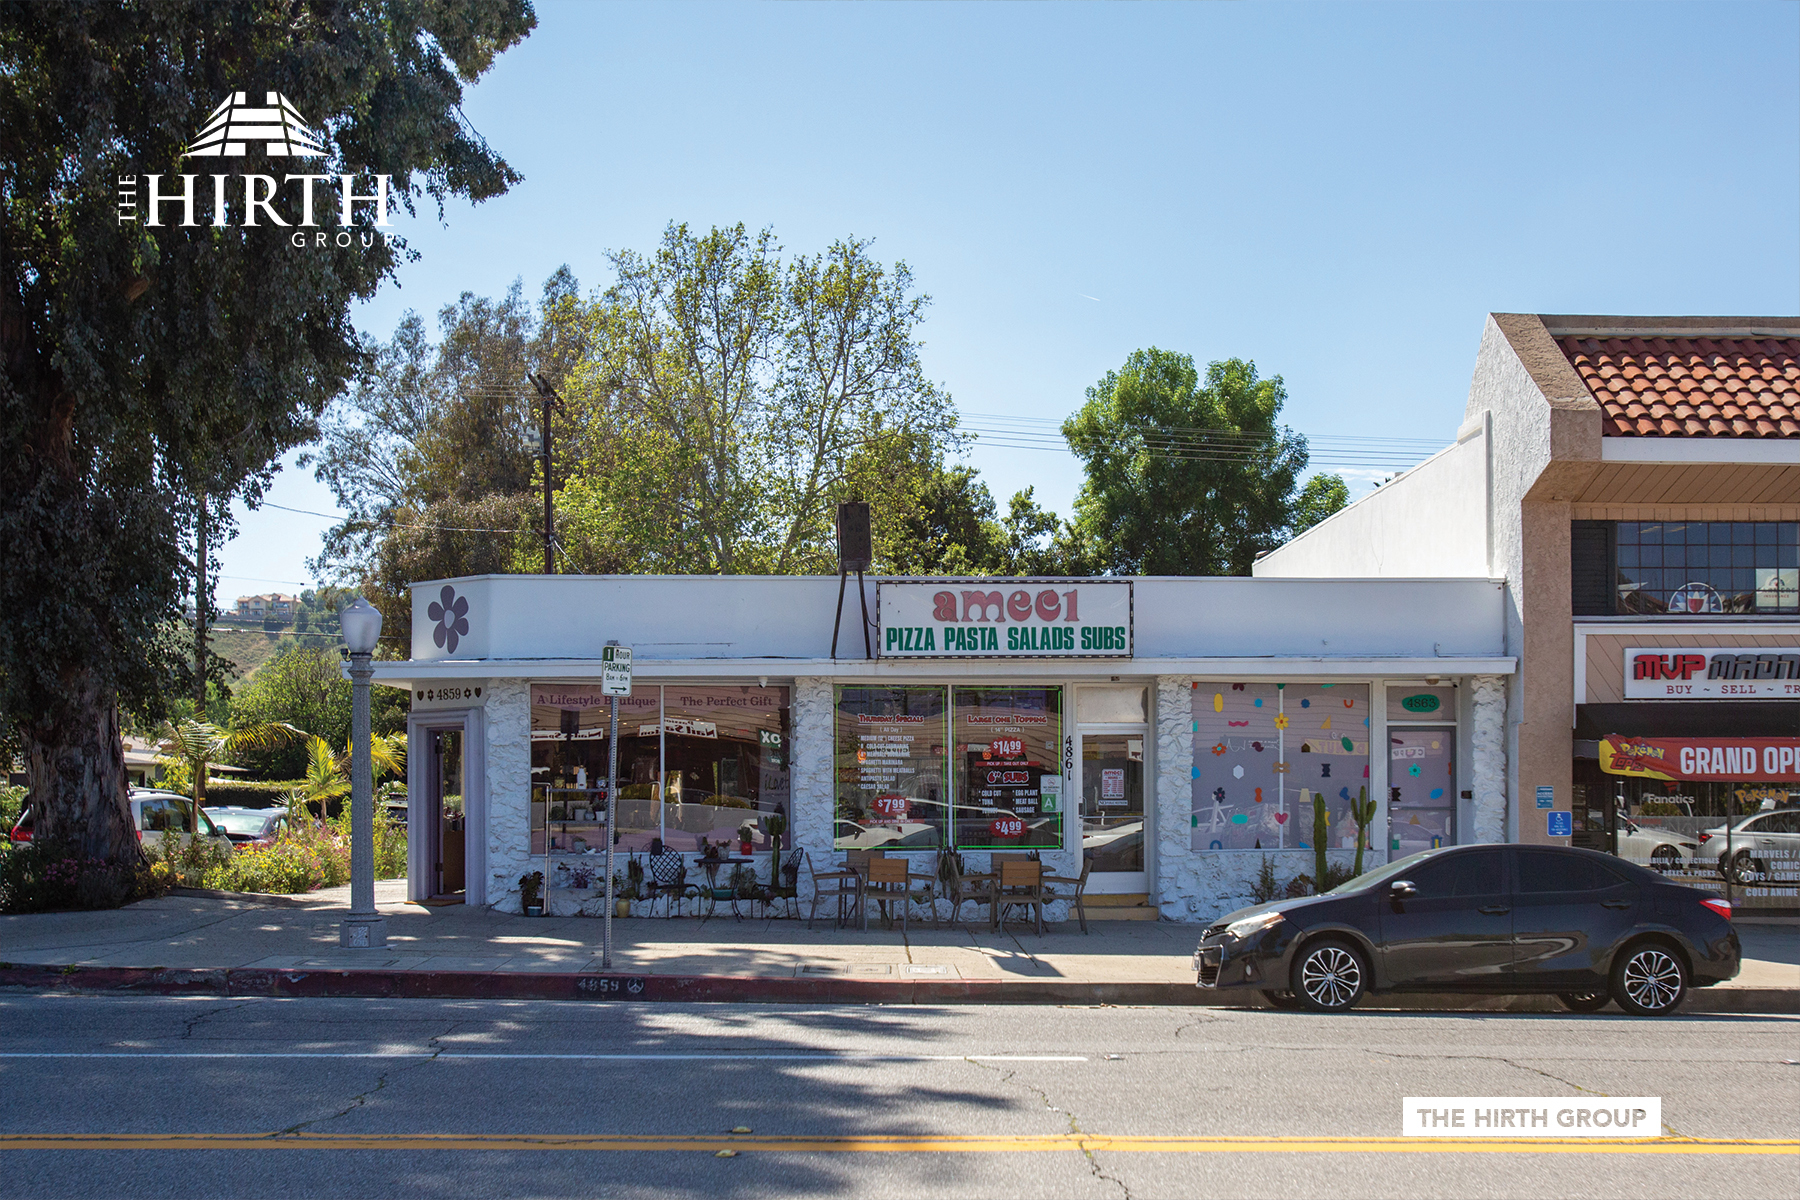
118,1096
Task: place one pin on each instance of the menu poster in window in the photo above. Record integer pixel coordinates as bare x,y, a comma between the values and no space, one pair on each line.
1007,741
1112,787
890,767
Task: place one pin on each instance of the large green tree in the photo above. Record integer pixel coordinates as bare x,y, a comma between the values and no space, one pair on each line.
1188,475
147,364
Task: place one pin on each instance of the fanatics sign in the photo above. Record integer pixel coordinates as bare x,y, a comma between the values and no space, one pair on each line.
1709,673
1004,618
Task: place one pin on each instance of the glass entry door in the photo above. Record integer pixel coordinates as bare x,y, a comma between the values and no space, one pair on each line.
444,820
1422,788
1112,811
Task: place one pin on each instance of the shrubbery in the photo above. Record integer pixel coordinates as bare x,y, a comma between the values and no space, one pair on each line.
307,857
44,876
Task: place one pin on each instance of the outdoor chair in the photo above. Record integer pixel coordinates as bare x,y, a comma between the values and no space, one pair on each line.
668,879
1080,889
1021,884
955,886
786,884
842,885
889,881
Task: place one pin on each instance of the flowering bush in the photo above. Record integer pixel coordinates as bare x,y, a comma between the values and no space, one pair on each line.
308,856
44,876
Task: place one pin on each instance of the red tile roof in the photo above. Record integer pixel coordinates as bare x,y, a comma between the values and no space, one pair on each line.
1691,387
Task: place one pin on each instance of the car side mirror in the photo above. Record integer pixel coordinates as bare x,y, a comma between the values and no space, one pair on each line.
1400,889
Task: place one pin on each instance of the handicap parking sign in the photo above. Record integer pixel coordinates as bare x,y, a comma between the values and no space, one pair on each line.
1561,824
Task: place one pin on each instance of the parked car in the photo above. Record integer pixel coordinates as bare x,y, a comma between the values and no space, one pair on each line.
257,826
1577,924
1658,849
1756,845
154,813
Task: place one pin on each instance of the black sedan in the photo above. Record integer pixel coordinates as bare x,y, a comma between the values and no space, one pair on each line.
1577,924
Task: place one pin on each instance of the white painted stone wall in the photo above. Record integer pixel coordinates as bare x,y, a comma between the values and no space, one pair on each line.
1198,886
508,791
811,772
1487,757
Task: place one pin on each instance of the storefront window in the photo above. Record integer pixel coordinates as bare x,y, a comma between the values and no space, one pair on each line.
1009,792
1262,751
725,760
1708,566
569,724
721,749
890,768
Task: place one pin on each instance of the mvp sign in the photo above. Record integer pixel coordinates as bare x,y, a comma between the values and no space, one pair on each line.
1004,618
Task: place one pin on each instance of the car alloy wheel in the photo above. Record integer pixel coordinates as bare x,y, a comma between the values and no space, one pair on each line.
1665,859
1329,977
1584,1002
1745,869
1649,981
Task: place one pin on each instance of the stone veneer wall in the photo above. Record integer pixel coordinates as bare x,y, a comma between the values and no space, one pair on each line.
1200,886
1487,757
508,790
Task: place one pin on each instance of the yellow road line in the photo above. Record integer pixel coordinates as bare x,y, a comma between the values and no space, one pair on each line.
926,1143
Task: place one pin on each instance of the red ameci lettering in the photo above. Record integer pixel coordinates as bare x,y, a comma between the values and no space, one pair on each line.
995,607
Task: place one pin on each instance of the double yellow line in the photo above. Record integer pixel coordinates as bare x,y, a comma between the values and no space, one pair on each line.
924,1143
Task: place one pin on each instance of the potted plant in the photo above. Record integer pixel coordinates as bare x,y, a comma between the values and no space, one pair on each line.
621,902
746,836
531,893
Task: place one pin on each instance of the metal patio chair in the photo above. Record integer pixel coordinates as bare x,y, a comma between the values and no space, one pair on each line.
843,884
668,880
1079,889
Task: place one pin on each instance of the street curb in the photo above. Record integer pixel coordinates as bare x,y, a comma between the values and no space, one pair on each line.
729,989
265,899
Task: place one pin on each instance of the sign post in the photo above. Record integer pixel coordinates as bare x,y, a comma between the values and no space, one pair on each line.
615,681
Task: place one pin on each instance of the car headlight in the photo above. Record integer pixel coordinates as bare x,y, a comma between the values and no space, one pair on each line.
1250,926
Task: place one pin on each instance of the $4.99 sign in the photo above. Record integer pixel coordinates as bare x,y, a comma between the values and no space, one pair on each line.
1007,747
1006,826
891,806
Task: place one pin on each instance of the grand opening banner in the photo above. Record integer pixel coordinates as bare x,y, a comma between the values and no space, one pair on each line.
1766,758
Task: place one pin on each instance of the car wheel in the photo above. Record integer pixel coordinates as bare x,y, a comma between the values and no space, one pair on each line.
1745,869
1285,1000
1584,1002
1648,980
1329,976
1665,859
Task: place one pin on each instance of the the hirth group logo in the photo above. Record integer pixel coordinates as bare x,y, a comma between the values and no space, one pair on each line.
234,124
273,130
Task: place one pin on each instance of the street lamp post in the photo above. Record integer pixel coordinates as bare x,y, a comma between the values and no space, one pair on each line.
364,927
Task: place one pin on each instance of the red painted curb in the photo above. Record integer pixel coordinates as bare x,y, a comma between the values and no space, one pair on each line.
729,989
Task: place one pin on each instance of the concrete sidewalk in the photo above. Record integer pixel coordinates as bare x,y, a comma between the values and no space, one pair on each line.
186,940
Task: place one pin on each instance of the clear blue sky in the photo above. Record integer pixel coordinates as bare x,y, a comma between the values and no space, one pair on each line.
1338,192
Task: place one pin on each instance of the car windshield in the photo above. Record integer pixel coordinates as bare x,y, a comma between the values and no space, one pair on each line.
1394,870
239,822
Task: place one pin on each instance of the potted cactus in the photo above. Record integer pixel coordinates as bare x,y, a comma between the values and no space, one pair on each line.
1321,837
1363,809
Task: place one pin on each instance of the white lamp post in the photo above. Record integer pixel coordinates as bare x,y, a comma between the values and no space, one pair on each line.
361,623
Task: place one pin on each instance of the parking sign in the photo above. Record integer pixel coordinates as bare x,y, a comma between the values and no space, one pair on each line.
1560,824
615,671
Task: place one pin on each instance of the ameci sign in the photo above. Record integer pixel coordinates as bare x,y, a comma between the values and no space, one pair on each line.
1768,758
1004,618
272,130
1708,673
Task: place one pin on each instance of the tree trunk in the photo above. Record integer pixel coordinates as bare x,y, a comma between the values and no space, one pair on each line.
79,789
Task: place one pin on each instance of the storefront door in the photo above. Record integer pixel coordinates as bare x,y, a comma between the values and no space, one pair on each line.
1112,810
1422,788
442,820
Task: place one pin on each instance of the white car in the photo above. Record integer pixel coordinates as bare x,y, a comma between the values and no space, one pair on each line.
1658,849
1765,845
154,813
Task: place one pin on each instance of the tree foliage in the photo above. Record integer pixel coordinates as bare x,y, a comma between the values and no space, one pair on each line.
1187,475
302,687
144,366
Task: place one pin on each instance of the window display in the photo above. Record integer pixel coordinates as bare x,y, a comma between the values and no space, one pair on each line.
721,749
890,767
1262,751
1009,786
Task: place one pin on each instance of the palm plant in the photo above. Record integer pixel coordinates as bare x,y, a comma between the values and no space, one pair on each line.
327,775
198,743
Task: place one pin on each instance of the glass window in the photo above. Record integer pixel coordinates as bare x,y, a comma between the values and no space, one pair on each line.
569,726
1110,705
725,763
890,751
1263,751
1475,873
1547,871
1700,567
1009,767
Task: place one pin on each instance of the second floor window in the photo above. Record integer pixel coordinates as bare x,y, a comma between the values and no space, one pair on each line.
1698,568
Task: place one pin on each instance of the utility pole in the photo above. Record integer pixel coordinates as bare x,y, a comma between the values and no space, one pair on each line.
548,395
200,617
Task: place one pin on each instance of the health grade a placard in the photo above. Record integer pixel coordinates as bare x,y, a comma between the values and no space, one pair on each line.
1004,618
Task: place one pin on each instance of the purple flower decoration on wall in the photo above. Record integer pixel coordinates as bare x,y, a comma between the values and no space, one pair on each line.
451,612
